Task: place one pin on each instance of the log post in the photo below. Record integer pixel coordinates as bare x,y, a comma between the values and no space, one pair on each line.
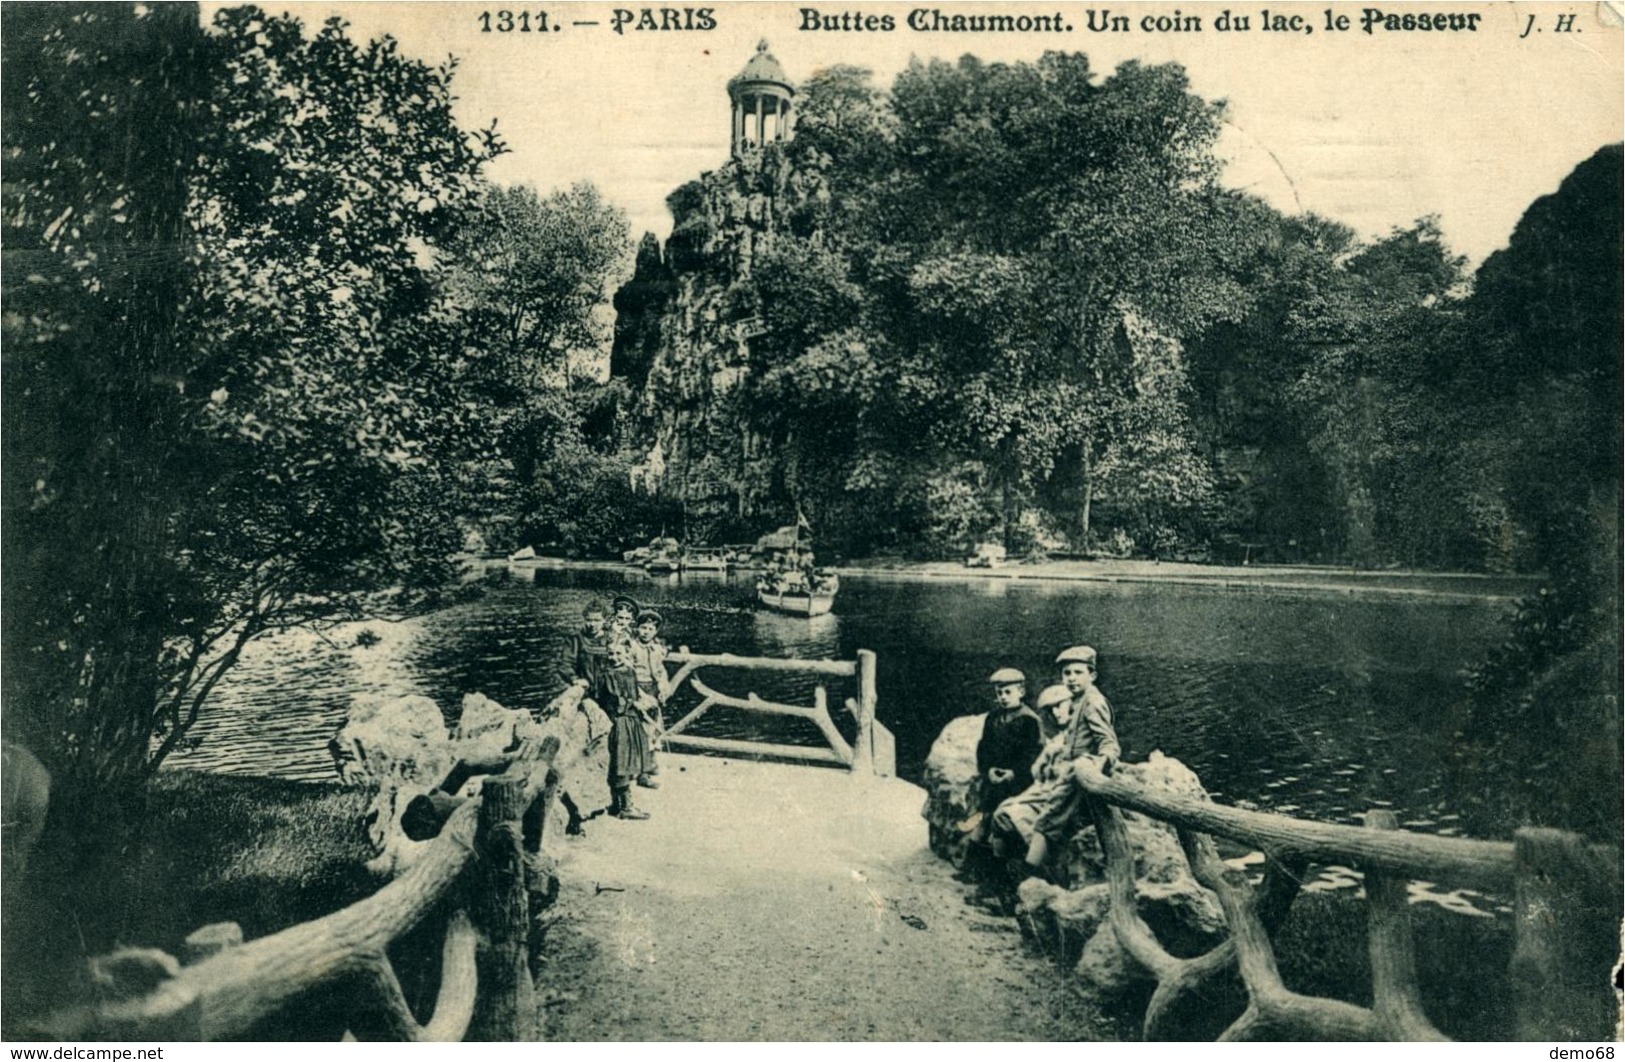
1396,999
863,758
499,903
1566,936
209,941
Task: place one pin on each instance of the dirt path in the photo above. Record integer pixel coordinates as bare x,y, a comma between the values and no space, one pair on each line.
765,902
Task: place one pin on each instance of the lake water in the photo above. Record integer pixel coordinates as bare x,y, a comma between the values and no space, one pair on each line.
1320,705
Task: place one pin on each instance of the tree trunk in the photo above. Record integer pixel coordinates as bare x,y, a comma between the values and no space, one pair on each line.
1088,495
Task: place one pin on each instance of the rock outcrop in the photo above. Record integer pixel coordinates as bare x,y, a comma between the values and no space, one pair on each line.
403,749
1071,919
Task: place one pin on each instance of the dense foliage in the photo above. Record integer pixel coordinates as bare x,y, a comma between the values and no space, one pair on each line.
1014,301
271,342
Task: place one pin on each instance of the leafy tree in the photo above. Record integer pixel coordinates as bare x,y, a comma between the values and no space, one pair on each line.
269,365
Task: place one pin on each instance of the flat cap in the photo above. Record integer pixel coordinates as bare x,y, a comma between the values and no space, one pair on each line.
1078,654
622,599
649,615
1054,695
1006,676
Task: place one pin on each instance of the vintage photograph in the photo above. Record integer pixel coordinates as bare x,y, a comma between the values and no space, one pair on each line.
804,522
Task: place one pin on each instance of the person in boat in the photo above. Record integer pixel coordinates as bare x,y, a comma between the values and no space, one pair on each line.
589,649
1090,734
623,617
628,741
649,654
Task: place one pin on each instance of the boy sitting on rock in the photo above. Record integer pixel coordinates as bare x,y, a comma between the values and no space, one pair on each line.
1090,733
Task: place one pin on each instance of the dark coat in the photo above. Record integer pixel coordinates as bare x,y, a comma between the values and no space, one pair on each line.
629,751
1011,740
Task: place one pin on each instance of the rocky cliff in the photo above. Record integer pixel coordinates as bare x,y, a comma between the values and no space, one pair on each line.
683,333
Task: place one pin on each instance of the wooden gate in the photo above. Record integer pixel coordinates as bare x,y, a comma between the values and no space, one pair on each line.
872,752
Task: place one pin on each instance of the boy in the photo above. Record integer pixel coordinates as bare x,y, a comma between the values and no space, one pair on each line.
1019,814
1092,733
628,743
623,618
1010,742
649,662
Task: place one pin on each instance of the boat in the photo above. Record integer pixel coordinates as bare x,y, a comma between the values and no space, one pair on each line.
796,603
791,584
663,564
705,560
528,553
987,555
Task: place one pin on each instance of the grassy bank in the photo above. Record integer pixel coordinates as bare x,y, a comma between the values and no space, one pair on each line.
213,848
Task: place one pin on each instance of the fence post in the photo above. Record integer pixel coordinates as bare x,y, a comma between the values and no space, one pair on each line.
1565,931
499,904
1396,997
863,758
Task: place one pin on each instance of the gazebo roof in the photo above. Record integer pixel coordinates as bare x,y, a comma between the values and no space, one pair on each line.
762,69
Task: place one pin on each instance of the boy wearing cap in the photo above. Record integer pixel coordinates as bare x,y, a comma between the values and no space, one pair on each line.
649,662
1010,741
1019,814
1092,733
624,617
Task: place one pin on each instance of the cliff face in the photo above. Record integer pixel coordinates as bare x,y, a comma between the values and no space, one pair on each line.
683,342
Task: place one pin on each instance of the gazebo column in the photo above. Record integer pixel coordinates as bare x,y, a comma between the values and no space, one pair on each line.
761,120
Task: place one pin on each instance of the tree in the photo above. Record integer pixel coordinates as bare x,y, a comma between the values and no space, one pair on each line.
272,370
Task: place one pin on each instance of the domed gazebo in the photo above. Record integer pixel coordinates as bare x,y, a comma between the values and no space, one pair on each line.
761,95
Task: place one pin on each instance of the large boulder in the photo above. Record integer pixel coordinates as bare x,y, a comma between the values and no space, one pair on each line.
1071,920
401,748
952,786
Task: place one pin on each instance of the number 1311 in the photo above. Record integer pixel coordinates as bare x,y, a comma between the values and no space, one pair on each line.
512,21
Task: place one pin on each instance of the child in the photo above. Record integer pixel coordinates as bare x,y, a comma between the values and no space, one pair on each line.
1090,733
649,661
1010,741
628,743
1052,717
624,617
1019,814
589,649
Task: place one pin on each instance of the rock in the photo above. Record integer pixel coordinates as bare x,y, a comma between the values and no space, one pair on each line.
1072,921
951,785
402,749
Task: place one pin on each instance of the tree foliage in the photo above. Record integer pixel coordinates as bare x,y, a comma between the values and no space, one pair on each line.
243,401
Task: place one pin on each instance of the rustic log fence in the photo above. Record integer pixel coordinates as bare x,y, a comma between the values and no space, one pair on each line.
1564,890
873,751
483,871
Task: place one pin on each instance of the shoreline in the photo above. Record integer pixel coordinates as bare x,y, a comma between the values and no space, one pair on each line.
1396,584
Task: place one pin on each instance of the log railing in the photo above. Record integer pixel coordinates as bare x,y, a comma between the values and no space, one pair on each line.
873,751
480,870
1560,885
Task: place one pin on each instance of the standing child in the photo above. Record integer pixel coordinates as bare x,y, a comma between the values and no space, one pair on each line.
649,654
589,649
623,617
628,742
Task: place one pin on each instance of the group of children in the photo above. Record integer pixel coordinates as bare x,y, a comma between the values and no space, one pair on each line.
619,659
1026,760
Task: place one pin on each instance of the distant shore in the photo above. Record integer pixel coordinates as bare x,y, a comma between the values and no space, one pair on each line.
1312,579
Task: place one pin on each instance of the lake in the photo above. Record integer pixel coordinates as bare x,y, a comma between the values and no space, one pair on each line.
1317,704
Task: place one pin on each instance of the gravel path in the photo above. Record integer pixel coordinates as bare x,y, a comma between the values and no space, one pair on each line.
765,902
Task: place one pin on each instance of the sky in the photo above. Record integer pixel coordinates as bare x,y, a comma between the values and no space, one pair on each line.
1372,129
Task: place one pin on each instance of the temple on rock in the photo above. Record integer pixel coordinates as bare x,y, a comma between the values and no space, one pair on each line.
761,95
